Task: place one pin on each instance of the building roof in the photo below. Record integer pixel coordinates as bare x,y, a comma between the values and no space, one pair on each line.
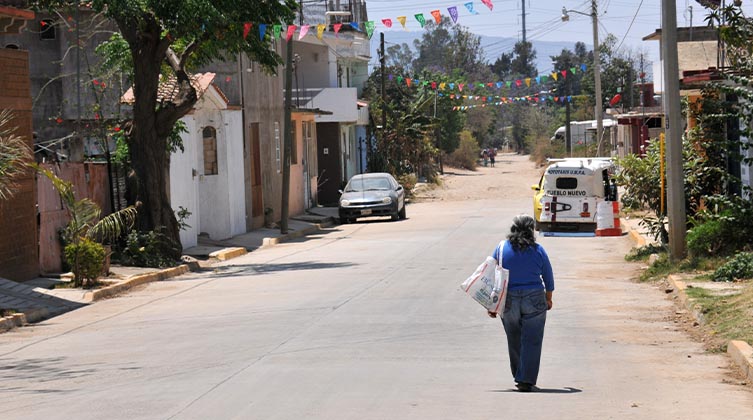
13,15
168,90
688,34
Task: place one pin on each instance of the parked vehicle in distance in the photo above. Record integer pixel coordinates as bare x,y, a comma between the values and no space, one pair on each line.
569,192
373,194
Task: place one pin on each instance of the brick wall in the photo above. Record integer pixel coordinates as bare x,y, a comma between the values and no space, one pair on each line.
18,217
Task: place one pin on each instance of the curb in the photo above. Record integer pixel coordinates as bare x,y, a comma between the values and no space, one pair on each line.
639,240
742,354
20,319
739,351
36,315
228,253
267,242
134,281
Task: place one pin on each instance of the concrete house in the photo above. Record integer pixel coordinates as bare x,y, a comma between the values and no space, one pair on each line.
330,75
207,177
18,243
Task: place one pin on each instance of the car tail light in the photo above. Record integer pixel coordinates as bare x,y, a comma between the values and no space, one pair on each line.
585,207
547,206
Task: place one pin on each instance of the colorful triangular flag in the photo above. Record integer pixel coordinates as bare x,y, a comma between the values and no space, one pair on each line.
421,19
453,13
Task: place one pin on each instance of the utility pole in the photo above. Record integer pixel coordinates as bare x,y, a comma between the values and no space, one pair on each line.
568,132
523,3
287,141
382,60
675,184
597,79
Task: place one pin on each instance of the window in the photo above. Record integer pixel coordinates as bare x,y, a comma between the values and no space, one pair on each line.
209,135
277,157
567,183
46,29
294,146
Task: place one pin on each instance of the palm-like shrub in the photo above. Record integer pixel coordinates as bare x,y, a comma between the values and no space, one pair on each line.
86,229
15,156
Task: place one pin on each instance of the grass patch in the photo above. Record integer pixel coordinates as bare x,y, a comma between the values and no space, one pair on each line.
642,253
728,316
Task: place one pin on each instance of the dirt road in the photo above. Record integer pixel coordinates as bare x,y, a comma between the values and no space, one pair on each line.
501,181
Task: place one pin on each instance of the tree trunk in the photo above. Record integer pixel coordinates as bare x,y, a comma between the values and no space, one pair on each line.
148,141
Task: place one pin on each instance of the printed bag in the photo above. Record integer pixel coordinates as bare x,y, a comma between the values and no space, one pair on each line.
488,284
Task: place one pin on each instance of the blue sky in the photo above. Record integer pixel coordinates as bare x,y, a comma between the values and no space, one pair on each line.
628,20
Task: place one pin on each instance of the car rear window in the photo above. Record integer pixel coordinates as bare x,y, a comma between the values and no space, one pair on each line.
567,183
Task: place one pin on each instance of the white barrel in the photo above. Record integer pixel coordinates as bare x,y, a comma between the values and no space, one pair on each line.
604,215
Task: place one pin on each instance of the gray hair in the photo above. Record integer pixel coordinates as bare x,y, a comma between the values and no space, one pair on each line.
521,235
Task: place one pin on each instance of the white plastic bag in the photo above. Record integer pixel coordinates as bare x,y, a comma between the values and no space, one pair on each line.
488,285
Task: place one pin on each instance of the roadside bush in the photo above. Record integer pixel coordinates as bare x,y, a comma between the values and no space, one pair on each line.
739,267
408,181
723,227
467,153
86,259
708,239
150,249
544,149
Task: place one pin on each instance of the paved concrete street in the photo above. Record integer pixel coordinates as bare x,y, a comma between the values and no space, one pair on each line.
366,321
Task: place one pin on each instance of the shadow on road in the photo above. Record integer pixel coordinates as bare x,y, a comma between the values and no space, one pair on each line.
565,390
245,269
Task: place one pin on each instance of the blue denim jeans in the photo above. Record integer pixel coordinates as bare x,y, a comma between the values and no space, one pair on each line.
524,319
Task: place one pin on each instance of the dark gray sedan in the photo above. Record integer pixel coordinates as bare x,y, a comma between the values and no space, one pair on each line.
376,194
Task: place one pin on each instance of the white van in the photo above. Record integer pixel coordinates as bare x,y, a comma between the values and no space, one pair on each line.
570,190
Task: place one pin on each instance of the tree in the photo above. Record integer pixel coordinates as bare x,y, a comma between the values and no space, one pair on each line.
168,37
400,55
448,48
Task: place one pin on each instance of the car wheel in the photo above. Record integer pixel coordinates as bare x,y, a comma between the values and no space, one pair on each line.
396,215
402,213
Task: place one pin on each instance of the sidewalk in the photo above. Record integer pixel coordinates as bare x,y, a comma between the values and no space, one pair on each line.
739,351
35,300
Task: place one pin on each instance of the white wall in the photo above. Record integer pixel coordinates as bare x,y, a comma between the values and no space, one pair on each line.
217,202
184,187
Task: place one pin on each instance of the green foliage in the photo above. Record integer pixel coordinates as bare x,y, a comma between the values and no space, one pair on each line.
406,143
446,48
641,179
740,267
642,253
86,259
723,227
147,249
14,156
183,214
544,149
466,155
84,214
708,239
656,227
408,181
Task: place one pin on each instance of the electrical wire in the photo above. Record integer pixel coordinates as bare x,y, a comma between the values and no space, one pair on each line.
630,27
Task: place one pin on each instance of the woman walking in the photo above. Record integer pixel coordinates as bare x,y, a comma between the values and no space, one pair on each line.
529,297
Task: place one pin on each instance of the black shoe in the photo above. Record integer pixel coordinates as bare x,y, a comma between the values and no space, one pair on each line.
525,387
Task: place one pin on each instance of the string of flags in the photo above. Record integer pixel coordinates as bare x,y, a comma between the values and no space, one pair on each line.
464,86
369,26
545,99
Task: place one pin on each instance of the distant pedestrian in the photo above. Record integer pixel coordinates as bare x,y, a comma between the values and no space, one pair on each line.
485,156
492,155
529,297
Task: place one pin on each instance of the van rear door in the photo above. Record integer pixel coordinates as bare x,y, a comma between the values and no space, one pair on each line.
568,197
